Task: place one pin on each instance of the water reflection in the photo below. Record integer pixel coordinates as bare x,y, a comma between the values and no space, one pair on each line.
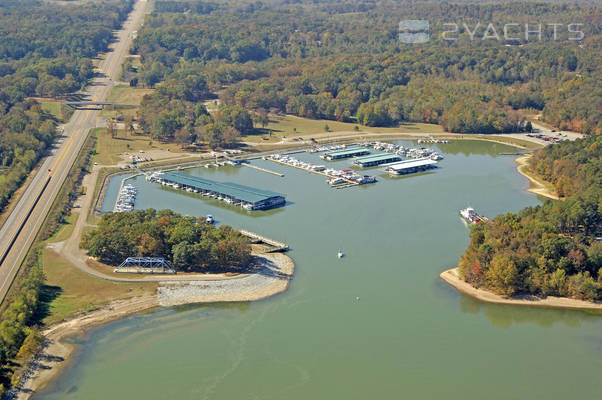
478,147
504,316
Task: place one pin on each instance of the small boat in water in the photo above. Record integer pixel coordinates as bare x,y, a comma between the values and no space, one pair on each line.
340,254
209,219
470,215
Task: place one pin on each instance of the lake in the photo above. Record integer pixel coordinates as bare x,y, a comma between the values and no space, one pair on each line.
409,335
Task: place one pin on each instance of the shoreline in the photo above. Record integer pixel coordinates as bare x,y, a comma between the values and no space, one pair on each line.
452,278
535,186
272,278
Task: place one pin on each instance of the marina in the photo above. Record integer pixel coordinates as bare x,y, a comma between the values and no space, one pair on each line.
336,178
246,197
421,321
126,199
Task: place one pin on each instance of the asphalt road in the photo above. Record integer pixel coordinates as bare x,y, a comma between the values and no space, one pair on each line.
21,227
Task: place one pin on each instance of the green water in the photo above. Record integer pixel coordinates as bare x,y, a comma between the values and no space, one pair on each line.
409,335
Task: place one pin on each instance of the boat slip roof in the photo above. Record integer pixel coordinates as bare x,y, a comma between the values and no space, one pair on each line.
240,192
377,157
352,150
419,162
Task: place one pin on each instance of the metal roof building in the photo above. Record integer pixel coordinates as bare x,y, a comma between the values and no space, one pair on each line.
411,166
376,159
347,153
248,197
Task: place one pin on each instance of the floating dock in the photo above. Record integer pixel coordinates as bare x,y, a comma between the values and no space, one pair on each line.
232,193
411,166
347,153
376,159
246,164
255,238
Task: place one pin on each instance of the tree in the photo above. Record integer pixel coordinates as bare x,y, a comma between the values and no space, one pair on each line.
111,128
502,275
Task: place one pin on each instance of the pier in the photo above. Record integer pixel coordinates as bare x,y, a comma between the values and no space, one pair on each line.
255,238
246,164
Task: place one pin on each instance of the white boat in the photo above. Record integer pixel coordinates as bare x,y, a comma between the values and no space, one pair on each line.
340,254
209,219
470,215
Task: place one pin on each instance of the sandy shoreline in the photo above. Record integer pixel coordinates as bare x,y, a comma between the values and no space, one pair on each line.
451,277
272,278
535,186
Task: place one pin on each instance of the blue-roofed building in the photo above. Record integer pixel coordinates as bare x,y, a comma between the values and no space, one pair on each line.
247,197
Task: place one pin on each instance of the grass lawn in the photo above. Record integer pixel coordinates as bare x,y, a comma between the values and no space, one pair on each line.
292,126
72,291
129,99
53,108
510,140
108,148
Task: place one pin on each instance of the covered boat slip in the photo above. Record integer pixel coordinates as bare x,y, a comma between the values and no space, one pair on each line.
347,153
248,197
410,166
376,159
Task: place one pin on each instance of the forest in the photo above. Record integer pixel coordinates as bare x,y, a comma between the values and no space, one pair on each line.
342,61
188,243
46,50
552,249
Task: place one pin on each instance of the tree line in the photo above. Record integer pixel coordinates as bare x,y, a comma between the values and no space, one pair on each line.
45,50
552,249
344,62
190,244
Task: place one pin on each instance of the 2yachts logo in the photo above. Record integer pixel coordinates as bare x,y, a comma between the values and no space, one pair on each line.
418,31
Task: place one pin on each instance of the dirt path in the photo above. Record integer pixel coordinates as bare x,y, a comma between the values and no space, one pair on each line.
451,276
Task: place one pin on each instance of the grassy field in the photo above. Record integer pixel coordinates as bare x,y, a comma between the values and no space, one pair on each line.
109,148
290,126
54,108
509,140
129,99
72,291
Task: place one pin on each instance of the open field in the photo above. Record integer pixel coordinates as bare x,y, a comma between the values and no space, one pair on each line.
108,148
53,108
129,99
72,291
290,126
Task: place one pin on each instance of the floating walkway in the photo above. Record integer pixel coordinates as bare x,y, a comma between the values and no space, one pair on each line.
255,238
263,169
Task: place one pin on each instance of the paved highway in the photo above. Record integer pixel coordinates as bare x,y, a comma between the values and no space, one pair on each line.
21,227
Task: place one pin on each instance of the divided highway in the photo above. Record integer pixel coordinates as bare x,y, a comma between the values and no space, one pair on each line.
21,227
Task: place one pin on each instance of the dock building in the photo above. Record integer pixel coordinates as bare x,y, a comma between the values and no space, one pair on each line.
347,153
411,166
376,159
245,196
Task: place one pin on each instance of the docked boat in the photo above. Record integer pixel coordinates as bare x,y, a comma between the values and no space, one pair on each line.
340,254
209,219
470,215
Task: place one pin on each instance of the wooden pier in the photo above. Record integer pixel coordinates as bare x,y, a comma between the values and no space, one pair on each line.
262,169
255,238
